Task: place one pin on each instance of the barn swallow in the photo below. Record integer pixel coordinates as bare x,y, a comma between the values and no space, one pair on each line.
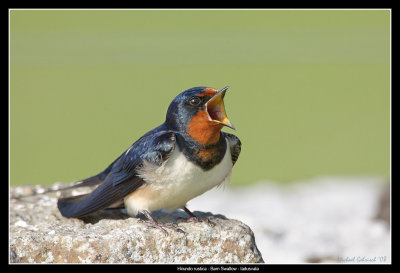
182,158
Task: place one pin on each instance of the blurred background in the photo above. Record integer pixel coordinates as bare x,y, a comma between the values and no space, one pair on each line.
309,96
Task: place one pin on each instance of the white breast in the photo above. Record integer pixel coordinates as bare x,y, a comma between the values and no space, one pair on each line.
175,182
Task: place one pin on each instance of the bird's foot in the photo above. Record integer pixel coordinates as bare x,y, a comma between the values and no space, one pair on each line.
194,219
161,226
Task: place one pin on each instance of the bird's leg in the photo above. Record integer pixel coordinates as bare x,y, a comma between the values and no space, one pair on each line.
194,218
153,223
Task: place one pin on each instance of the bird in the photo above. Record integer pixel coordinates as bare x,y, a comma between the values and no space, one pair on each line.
175,162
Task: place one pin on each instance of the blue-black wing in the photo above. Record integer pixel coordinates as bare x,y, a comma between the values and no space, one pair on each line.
122,177
235,145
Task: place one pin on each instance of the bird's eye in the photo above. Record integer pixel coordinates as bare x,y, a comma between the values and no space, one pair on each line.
194,101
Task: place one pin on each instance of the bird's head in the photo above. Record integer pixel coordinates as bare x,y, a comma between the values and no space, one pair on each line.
200,113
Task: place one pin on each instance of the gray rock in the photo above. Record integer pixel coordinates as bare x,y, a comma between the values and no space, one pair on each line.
383,210
39,234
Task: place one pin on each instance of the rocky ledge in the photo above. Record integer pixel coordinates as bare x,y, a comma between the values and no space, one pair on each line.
39,234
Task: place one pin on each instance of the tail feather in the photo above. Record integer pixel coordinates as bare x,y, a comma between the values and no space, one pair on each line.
66,205
88,182
91,181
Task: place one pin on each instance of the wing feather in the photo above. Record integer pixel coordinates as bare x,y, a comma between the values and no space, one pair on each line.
122,175
235,146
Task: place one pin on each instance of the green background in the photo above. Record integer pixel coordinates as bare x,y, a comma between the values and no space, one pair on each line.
309,96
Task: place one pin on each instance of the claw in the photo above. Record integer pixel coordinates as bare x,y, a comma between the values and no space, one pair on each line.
193,218
175,227
153,223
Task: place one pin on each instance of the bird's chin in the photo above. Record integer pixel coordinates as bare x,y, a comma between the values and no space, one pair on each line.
216,109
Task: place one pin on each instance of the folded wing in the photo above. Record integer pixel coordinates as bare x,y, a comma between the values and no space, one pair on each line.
120,178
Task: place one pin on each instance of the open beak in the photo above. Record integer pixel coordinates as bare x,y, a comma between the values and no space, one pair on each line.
216,108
